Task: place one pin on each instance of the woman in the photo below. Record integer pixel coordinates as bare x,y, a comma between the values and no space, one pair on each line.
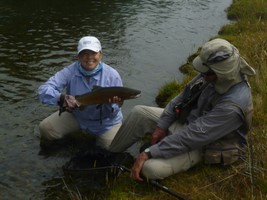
78,78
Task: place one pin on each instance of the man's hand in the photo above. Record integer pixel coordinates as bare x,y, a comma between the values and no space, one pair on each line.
137,167
158,135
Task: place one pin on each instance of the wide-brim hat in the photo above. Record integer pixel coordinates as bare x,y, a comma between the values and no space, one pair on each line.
224,60
216,52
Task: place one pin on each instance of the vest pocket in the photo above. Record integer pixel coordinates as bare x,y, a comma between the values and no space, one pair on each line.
221,156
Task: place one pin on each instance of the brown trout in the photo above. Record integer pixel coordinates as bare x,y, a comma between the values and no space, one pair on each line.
100,95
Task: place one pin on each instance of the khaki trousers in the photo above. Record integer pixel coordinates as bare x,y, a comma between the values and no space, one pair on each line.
56,127
142,120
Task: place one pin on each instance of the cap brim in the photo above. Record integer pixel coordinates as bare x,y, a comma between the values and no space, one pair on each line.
198,65
89,48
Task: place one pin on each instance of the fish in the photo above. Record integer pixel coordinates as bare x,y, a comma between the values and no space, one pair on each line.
100,95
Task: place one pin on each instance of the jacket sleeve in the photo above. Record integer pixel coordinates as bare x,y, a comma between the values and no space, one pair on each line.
52,88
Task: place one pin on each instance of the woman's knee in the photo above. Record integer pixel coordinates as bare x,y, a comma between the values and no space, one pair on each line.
48,131
55,127
45,129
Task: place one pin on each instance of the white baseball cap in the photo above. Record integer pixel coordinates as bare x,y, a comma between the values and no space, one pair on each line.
90,43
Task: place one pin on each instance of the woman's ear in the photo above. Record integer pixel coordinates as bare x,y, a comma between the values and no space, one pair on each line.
101,54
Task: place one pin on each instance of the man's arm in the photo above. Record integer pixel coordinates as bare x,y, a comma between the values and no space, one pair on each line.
138,165
219,122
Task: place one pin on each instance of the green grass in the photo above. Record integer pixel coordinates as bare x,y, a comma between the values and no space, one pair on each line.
245,179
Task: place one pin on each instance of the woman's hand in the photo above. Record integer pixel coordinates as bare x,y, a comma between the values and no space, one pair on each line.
67,102
116,100
70,103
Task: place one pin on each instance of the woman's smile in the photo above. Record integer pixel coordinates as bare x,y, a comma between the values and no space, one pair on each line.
89,59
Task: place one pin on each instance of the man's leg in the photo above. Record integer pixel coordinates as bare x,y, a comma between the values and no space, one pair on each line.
141,120
162,168
106,138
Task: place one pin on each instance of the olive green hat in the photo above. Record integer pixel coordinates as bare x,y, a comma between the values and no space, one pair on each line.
224,60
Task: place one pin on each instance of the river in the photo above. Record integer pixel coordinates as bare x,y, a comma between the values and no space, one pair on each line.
146,41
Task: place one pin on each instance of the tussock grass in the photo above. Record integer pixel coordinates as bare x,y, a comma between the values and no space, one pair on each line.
75,195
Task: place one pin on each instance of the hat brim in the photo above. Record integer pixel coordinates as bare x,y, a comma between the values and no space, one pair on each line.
245,68
198,65
89,48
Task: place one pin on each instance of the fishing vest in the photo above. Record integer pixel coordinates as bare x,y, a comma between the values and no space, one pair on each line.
190,97
230,148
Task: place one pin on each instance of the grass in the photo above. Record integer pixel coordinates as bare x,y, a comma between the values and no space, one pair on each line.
245,179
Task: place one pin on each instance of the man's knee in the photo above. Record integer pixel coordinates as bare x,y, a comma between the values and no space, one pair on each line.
143,111
138,109
154,171
162,168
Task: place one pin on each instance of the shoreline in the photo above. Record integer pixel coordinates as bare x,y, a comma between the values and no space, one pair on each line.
248,34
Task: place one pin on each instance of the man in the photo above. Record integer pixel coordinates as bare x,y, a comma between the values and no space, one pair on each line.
101,121
215,128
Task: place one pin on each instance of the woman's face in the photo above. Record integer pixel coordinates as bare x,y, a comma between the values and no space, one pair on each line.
89,59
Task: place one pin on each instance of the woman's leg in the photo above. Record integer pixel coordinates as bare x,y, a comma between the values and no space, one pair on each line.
56,127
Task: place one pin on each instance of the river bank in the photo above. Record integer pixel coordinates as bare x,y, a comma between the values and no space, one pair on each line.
248,34
145,41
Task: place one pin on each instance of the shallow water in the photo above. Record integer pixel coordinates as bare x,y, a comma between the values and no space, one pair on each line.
146,41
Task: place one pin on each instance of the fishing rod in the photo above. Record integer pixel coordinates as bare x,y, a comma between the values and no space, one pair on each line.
158,185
